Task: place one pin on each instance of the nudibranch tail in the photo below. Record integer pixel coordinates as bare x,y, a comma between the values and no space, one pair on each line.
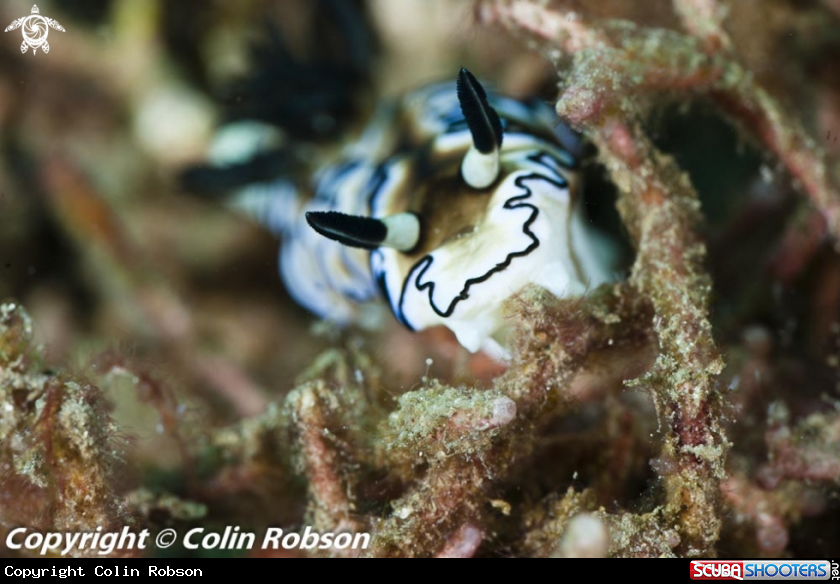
480,167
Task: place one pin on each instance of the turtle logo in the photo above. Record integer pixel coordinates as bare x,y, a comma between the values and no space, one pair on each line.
35,31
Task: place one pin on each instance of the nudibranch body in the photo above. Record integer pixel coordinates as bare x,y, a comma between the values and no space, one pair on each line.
451,202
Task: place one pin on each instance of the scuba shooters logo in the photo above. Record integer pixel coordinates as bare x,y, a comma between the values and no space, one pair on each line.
35,29
764,570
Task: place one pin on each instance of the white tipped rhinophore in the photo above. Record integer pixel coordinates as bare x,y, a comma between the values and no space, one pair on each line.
400,231
403,231
480,170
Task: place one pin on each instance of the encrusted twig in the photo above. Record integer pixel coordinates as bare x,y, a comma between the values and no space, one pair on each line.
330,504
768,514
454,439
810,452
805,234
769,502
61,453
622,61
704,20
661,210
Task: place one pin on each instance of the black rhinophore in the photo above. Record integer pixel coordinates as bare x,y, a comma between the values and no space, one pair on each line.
483,121
364,232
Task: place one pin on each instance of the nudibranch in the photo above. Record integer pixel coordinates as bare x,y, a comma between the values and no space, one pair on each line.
452,201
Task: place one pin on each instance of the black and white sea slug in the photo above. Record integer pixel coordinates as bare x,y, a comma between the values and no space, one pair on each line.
452,201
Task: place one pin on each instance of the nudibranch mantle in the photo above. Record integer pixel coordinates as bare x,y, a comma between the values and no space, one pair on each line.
451,202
